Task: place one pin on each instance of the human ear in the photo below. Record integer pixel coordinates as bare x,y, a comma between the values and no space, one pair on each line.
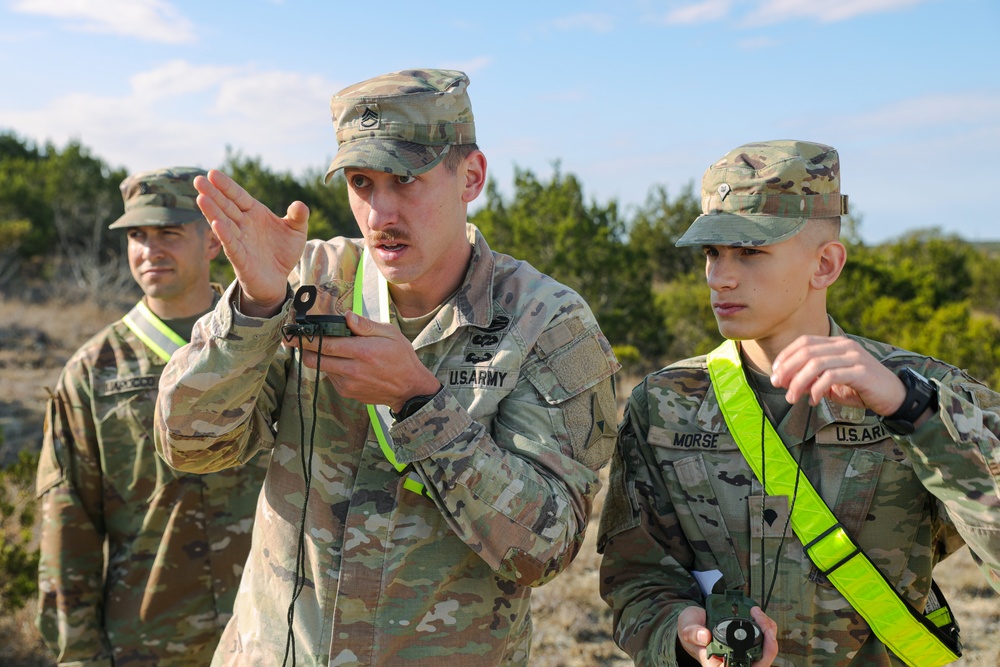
474,167
831,257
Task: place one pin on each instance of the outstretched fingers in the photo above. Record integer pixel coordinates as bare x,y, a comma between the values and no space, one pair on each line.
232,191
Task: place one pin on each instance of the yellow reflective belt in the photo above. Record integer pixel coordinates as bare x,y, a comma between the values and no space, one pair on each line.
151,330
371,300
911,636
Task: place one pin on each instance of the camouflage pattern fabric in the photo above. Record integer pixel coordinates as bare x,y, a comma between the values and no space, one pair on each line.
176,543
762,193
402,123
508,450
160,197
682,499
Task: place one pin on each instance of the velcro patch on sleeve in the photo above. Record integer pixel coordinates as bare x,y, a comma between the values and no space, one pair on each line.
571,358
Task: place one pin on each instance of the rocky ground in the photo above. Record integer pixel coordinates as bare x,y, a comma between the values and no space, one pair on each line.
572,623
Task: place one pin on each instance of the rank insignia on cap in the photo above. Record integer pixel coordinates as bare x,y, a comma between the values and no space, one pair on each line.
724,190
369,117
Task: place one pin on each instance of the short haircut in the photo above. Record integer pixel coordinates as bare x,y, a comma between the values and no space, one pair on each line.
456,153
831,226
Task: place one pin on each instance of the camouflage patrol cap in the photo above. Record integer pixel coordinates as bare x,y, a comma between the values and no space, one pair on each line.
401,123
160,197
763,193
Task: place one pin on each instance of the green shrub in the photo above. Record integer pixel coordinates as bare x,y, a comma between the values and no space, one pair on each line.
18,557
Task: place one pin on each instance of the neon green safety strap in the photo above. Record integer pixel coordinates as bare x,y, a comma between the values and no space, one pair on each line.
151,330
371,300
914,638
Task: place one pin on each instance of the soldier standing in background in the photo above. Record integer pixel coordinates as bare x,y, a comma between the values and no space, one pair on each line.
881,461
139,563
457,432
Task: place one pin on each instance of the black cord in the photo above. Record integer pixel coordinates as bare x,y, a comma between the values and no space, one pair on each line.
766,599
300,551
788,518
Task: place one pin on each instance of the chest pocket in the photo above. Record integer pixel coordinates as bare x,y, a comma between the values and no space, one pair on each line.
877,498
880,502
129,462
701,514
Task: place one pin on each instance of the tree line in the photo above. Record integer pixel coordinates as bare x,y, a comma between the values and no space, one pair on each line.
926,291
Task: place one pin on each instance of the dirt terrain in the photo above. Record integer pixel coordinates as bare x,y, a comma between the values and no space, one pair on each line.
572,623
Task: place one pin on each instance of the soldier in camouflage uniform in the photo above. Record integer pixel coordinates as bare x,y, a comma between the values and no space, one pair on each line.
682,498
498,378
139,563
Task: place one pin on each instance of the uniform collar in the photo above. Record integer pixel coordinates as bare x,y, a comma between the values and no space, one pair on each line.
474,299
791,427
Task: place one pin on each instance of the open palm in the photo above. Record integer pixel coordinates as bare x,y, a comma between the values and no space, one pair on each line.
262,247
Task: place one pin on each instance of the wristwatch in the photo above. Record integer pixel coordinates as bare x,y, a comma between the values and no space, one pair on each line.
920,395
411,406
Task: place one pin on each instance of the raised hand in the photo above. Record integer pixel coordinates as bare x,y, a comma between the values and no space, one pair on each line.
262,247
837,368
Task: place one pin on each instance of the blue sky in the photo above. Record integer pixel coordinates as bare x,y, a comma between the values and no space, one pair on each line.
625,95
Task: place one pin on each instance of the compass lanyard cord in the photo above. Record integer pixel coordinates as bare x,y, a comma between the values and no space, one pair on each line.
306,459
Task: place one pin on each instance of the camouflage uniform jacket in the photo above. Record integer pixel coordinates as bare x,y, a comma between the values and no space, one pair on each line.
508,449
683,499
176,543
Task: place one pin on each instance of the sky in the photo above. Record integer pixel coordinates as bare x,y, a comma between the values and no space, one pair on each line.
627,95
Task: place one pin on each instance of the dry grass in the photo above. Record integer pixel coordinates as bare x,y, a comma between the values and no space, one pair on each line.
572,623
35,342
20,644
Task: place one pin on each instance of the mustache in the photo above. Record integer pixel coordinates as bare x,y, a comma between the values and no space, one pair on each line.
388,237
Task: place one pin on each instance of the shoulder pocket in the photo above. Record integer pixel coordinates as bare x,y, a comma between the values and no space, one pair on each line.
571,357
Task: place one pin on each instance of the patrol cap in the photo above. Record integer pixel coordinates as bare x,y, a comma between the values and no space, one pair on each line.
763,193
401,123
160,197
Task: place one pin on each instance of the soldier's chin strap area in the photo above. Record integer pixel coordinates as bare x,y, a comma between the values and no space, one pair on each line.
371,300
918,640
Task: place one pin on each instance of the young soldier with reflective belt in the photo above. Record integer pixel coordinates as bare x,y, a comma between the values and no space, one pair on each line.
882,461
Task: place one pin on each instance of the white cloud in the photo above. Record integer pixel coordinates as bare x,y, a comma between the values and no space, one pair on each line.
148,20
177,78
474,65
777,11
702,12
909,160
939,110
260,98
19,37
602,23
182,113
